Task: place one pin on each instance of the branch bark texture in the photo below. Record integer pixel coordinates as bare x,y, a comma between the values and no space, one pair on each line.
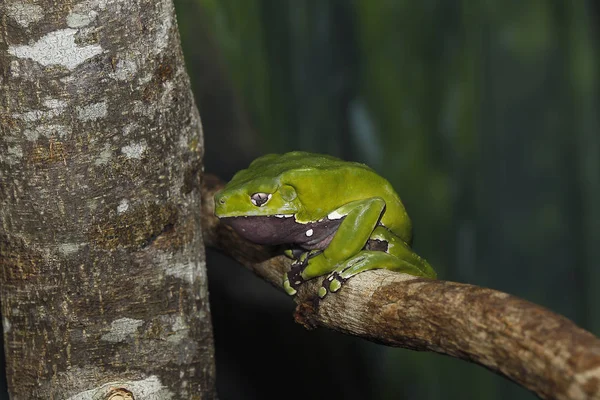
536,348
103,282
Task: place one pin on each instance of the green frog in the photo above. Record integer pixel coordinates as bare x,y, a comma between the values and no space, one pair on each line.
338,218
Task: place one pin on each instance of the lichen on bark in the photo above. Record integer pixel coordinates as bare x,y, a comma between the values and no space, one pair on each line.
100,239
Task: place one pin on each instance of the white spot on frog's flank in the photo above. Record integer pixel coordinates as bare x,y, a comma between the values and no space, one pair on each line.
78,20
148,389
309,232
134,150
5,324
57,48
121,329
284,215
335,215
123,206
92,112
24,13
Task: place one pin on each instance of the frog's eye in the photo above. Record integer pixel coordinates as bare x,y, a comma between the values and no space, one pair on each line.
259,199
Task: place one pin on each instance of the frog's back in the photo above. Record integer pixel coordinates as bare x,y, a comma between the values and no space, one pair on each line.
280,165
325,183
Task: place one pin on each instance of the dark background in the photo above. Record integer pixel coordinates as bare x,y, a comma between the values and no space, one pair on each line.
482,114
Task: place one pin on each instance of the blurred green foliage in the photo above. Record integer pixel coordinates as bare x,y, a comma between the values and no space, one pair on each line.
484,116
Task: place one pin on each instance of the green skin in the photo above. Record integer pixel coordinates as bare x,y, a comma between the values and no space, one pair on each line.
313,188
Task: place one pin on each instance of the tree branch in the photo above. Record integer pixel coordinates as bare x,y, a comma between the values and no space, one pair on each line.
534,347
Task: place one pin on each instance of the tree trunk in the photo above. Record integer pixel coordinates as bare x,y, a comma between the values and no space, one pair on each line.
103,281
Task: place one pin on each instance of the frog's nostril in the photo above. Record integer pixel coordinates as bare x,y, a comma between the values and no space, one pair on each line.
222,200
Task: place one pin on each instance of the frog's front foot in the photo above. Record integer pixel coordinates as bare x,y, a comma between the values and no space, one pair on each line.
288,287
293,278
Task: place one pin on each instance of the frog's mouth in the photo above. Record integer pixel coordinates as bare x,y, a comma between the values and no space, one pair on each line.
275,230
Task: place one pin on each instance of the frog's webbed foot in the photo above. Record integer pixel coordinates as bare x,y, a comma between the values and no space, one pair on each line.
293,278
332,283
345,271
364,261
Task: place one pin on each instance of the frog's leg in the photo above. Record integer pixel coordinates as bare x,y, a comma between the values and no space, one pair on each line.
360,218
398,248
399,257
364,261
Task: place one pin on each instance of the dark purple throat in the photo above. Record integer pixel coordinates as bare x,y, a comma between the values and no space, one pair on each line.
274,231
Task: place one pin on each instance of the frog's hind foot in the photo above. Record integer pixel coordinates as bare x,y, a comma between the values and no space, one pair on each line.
345,271
332,283
365,261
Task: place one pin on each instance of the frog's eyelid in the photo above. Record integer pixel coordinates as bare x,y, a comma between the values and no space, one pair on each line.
260,199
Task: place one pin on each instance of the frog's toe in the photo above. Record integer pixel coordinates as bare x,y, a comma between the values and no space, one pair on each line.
324,289
335,285
288,288
322,292
332,284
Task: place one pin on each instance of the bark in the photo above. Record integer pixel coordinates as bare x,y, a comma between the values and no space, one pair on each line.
103,281
536,348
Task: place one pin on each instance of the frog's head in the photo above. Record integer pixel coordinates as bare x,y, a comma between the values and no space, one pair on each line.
256,197
258,209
